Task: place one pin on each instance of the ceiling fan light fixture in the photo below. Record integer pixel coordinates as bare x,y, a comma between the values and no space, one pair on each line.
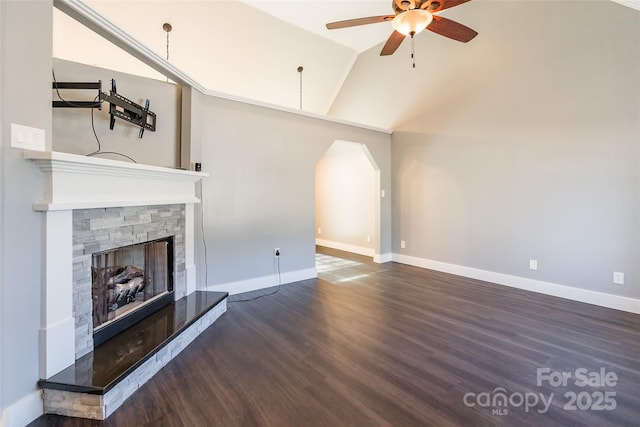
412,21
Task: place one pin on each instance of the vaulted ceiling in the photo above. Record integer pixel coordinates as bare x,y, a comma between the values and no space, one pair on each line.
252,49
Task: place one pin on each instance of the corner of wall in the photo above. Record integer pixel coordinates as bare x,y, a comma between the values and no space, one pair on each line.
23,411
601,299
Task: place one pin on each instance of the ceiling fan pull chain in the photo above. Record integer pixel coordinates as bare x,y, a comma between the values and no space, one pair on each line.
413,51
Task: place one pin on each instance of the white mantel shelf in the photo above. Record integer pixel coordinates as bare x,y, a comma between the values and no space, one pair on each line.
73,181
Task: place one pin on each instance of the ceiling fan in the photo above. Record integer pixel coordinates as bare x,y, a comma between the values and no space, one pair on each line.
411,17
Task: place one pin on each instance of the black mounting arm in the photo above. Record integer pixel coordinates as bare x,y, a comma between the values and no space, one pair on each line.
123,108
119,106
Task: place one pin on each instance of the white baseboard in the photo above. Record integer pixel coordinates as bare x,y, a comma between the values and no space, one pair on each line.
576,294
345,247
23,411
382,258
190,278
265,281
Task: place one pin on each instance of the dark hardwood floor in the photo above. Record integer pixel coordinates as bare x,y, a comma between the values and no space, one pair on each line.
394,345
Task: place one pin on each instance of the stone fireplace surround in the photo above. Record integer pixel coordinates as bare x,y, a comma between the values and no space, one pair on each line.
134,203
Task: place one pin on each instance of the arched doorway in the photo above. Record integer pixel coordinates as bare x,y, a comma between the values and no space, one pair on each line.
347,199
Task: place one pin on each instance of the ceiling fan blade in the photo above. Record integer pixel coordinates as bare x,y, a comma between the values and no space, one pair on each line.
452,29
438,5
392,43
359,21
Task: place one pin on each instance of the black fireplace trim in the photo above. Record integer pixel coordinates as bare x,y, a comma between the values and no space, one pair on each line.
126,321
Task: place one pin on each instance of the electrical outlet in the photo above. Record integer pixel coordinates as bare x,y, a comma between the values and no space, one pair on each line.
368,239
319,231
533,264
618,278
403,244
276,252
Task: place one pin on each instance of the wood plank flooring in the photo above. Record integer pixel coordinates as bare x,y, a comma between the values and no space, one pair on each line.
393,345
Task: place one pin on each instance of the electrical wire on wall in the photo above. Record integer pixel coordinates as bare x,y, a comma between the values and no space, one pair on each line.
276,261
204,241
93,127
276,267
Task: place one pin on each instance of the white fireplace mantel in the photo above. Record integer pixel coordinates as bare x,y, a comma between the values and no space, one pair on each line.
79,182
72,182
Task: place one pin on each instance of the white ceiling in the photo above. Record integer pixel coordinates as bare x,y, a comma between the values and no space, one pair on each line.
312,15
252,48
257,61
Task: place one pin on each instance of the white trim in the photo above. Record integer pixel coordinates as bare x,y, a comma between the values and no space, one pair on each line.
568,292
265,281
346,247
91,19
70,181
382,258
96,204
634,4
57,325
58,161
57,346
23,411
190,275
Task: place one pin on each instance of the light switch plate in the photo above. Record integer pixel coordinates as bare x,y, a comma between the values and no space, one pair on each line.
27,138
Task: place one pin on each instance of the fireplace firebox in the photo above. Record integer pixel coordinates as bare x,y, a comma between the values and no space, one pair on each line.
128,284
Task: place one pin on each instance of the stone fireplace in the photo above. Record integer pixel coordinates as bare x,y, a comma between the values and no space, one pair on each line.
125,262
136,203
116,261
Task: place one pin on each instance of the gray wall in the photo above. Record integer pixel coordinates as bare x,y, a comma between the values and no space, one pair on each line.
25,98
25,87
524,143
260,194
72,131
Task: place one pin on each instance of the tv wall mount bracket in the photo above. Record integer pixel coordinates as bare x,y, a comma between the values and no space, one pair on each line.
119,106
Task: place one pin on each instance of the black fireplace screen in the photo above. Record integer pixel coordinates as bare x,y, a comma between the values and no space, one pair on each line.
125,279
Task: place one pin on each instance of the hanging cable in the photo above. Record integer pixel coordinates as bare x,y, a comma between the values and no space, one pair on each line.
99,151
300,69
167,28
